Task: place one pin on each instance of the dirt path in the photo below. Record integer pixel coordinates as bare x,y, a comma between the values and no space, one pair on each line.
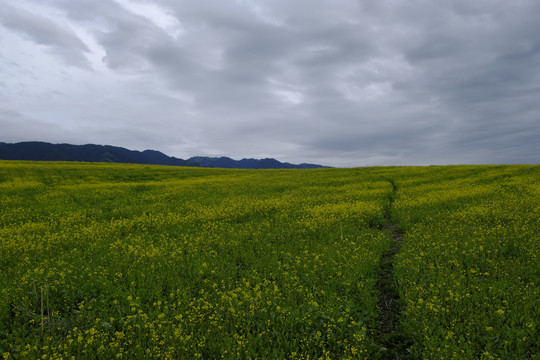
389,333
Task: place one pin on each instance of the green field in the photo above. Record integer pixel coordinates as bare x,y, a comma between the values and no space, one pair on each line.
103,261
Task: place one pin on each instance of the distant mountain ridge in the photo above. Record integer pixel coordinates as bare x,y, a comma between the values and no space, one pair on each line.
268,163
43,151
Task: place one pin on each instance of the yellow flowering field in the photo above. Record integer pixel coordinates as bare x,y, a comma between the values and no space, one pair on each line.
469,268
108,261
131,261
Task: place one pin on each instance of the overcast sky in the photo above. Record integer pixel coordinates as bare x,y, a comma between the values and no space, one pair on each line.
334,82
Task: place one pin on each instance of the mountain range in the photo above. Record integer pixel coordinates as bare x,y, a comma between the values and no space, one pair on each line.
43,151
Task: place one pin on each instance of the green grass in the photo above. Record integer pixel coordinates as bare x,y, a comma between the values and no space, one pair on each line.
132,261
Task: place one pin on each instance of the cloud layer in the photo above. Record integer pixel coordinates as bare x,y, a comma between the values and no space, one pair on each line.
341,82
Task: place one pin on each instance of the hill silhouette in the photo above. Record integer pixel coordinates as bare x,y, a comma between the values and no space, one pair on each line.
43,151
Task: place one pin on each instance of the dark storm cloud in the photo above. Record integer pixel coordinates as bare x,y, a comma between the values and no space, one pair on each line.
340,82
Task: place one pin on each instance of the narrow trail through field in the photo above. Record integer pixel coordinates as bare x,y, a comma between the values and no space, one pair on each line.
389,333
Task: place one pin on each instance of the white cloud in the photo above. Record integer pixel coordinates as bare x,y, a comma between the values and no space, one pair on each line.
290,97
158,15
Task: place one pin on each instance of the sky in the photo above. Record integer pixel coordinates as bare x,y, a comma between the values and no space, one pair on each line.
335,82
